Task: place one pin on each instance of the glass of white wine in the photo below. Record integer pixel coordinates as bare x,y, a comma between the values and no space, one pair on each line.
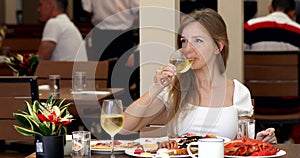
181,63
112,118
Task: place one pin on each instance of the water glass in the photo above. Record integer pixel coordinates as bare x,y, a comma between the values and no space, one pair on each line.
54,85
208,148
68,145
246,128
79,81
81,144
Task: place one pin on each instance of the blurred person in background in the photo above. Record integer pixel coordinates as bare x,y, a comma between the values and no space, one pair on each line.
114,21
276,31
113,37
61,39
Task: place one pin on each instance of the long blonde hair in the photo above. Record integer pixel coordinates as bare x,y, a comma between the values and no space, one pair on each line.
184,87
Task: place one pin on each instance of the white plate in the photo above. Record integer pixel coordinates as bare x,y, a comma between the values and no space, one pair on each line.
44,87
143,140
131,153
161,139
117,150
278,154
91,92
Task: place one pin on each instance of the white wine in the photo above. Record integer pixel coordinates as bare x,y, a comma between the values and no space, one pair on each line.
112,124
181,65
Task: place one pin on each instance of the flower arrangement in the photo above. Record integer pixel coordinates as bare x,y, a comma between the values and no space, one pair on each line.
23,65
44,119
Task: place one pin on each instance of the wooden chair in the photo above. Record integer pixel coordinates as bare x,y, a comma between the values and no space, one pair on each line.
14,91
96,72
273,73
273,79
21,45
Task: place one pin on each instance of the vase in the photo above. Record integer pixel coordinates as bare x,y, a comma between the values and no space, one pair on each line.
49,146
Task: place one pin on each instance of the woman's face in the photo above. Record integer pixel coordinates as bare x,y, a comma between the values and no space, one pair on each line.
198,45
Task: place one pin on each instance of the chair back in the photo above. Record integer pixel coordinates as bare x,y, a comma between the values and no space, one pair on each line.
21,45
14,91
96,72
272,73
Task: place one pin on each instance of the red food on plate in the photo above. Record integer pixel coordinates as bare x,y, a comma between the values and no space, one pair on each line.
138,151
249,147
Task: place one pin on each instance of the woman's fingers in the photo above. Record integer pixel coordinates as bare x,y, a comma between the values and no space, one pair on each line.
164,75
267,135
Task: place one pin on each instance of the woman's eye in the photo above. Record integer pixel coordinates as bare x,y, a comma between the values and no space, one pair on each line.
198,40
183,40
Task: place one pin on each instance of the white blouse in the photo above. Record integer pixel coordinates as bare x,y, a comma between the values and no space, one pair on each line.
219,121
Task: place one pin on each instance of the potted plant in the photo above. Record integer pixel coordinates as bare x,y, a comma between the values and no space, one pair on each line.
46,122
23,65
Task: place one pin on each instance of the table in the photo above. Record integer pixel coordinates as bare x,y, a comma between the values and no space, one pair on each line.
83,102
65,92
292,151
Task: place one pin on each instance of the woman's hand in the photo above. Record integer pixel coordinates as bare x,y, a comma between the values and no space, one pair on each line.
164,75
267,135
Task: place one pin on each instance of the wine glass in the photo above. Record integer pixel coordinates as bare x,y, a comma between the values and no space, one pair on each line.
112,118
181,63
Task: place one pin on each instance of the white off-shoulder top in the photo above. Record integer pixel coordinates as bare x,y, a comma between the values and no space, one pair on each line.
205,120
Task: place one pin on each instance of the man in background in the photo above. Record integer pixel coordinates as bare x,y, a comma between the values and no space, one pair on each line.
114,22
61,40
276,31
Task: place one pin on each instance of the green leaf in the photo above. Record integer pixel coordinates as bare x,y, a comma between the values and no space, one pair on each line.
22,119
45,128
50,99
26,132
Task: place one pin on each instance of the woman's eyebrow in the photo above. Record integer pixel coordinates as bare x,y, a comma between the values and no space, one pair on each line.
197,36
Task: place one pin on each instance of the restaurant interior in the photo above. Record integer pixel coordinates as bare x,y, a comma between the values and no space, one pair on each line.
272,78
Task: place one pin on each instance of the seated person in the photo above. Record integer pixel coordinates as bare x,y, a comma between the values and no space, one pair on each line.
61,39
276,31
202,100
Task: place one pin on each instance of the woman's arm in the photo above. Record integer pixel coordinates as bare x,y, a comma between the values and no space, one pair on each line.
144,110
141,112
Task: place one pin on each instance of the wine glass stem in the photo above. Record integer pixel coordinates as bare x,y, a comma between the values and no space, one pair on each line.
113,147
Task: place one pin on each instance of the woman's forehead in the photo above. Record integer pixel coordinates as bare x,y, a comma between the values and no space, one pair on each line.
194,29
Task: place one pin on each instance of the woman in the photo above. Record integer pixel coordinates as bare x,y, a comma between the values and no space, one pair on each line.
202,100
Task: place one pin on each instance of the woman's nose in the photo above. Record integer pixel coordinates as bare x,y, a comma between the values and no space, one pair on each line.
187,50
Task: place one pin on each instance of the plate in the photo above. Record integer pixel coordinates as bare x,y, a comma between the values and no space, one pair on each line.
91,92
119,149
130,152
44,87
144,140
278,154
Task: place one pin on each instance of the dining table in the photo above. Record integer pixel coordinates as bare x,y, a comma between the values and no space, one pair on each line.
292,151
81,101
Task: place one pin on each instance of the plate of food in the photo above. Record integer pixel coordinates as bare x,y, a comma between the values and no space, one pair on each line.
278,154
173,147
105,146
159,153
250,148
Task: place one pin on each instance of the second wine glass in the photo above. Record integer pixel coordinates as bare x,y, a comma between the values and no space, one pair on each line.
112,118
181,63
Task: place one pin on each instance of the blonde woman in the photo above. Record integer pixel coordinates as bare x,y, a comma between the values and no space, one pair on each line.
202,100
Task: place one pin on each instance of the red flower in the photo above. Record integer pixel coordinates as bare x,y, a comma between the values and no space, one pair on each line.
53,118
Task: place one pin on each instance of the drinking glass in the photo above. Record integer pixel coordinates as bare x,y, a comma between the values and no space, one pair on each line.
112,118
181,63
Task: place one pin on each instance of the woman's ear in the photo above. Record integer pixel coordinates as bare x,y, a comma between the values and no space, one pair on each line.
220,47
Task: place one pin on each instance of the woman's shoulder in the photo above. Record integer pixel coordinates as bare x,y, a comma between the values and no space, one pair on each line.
240,91
239,85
